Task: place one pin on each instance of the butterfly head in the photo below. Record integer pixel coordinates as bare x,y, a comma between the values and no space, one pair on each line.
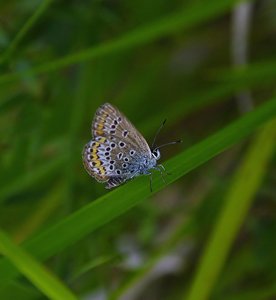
155,153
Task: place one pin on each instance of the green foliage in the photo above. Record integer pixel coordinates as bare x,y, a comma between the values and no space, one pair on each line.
45,281
238,201
153,59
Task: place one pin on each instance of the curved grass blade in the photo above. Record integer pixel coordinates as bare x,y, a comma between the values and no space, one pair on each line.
118,201
238,201
46,282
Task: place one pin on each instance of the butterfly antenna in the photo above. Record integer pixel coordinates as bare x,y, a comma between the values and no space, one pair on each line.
171,143
157,133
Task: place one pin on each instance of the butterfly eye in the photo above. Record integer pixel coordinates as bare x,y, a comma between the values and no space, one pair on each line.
156,154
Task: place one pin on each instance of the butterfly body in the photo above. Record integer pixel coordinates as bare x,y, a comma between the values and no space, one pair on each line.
117,152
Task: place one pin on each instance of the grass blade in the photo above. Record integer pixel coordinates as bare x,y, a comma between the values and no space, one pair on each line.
240,196
38,275
25,28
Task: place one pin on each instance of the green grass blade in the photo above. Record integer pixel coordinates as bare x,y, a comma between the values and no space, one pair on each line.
25,29
118,201
191,16
238,200
36,273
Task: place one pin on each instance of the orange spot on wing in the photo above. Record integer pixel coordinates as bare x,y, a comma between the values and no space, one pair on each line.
95,157
99,132
102,170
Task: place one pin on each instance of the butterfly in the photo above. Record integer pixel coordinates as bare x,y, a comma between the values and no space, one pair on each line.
118,152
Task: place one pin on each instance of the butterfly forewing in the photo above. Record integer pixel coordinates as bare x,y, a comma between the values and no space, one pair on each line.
109,121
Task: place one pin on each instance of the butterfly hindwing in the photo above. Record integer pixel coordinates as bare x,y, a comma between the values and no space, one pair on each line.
92,160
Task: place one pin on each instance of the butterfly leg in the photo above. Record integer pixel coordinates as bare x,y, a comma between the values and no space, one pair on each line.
162,170
150,174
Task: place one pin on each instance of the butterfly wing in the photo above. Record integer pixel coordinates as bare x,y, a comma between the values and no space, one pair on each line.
107,162
109,121
92,160
113,154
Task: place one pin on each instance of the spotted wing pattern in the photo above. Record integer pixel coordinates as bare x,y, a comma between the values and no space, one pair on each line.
114,154
109,121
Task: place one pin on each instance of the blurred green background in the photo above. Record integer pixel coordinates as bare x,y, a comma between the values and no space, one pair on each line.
200,64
